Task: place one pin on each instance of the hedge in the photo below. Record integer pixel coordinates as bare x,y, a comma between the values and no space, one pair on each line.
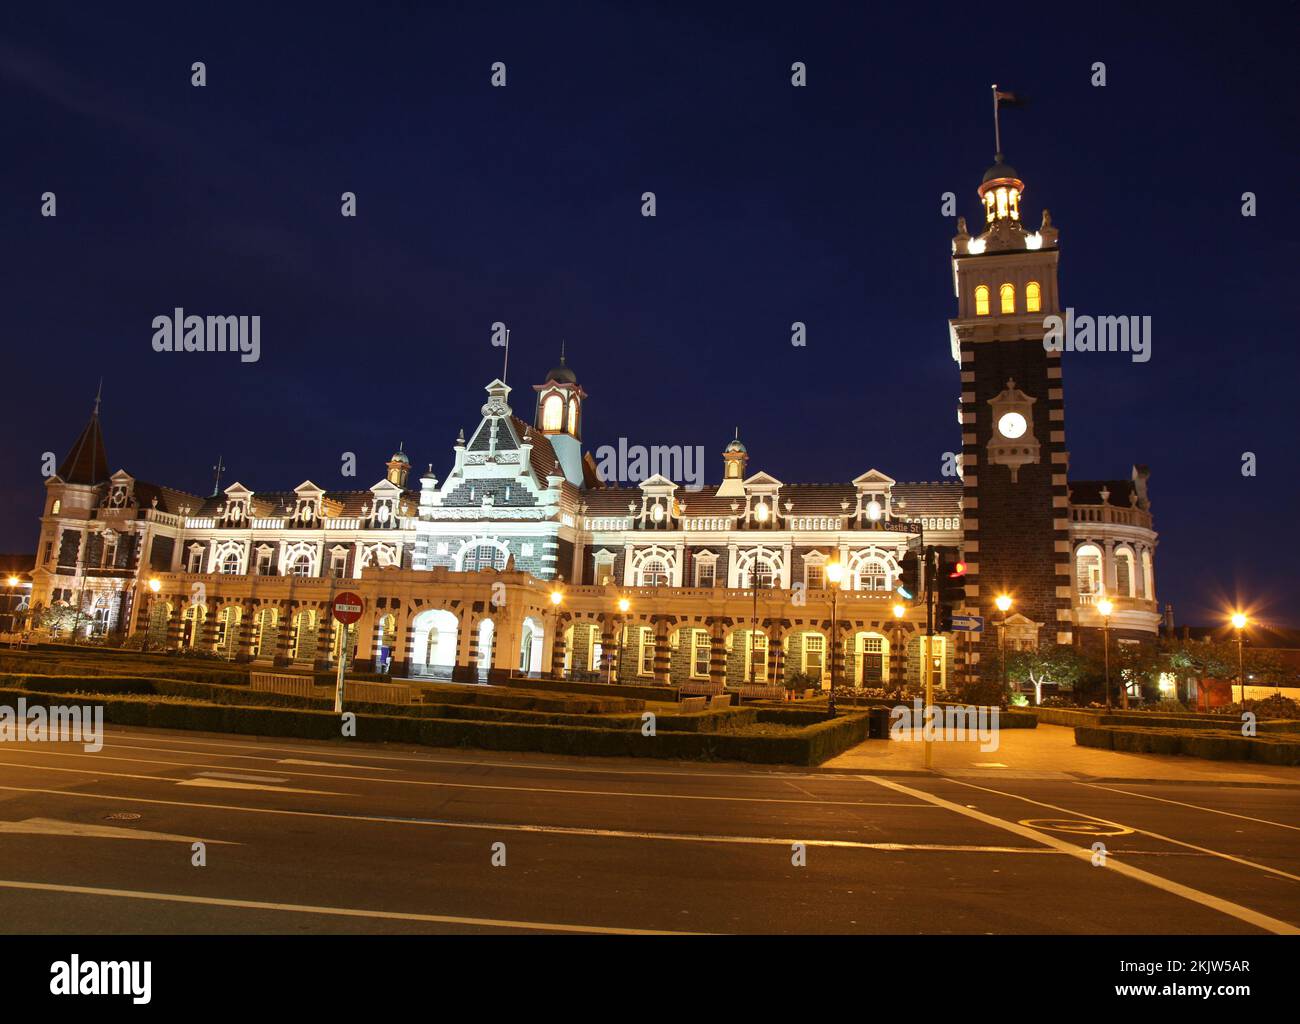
812,746
1211,745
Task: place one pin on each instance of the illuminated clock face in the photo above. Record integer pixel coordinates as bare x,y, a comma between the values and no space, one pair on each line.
1011,425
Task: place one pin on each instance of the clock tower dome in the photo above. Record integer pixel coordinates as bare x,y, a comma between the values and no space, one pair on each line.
1015,501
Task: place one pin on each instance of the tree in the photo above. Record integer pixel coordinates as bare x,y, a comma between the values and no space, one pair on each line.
1060,664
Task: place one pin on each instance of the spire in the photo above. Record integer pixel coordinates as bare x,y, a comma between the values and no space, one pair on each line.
87,462
218,469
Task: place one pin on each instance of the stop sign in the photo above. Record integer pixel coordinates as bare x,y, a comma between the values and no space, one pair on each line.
347,607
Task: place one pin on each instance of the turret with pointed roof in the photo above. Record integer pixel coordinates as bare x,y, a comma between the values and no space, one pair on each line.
86,461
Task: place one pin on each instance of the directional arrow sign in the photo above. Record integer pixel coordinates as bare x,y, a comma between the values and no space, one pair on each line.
968,623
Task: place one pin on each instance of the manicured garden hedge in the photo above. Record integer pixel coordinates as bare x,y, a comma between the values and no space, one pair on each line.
808,747
1213,745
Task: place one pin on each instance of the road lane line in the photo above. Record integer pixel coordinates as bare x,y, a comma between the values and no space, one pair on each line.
256,786
81,830
464,763
240,777
1141,831
1197,807
815,801
301,908
479,826
1252,917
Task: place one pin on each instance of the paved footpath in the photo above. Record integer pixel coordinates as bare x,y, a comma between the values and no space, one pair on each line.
1051,749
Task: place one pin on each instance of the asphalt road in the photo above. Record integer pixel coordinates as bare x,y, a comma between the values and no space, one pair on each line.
305,837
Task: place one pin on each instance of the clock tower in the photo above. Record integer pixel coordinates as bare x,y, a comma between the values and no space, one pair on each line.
1015,511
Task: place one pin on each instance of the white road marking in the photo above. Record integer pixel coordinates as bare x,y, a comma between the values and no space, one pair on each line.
228,784
1252,917
101,757
53,827
330,764
1198,807
300,908
468,763
480,826
1140,831
242,778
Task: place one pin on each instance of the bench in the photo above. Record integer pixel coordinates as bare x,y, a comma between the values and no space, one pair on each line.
761,691
700,686
377,693
690,705
275,682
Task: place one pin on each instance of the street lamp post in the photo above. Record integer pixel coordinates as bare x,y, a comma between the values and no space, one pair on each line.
899,611
1003,602
623,605
155,585
557,598
834,573
1105,607
1239,624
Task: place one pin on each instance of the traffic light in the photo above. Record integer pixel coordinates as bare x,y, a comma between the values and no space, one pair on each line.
950,591
905,585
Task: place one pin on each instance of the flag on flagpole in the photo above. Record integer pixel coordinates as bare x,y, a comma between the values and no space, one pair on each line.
1009,99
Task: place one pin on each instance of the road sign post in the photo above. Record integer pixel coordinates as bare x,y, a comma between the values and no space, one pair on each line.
346,609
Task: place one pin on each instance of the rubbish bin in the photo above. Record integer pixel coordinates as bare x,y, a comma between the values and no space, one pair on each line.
878,724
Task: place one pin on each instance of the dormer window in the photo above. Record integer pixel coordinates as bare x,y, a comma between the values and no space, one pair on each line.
553,412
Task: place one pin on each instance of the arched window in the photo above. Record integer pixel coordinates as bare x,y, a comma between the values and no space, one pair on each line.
1033,297
1007,293
573,416
1087,565
1124,572
982,300
654,573
301,565
871,575
484,556
553,412
230,564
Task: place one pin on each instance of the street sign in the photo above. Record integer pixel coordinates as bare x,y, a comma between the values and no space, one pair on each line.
968,623
347,607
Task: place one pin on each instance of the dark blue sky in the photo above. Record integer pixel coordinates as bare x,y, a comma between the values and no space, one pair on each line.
775,204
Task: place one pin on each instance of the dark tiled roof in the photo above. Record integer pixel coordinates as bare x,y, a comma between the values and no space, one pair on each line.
543,459
86,461
170,500
273,504
936,498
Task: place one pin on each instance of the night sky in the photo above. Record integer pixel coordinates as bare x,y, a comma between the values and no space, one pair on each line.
775,204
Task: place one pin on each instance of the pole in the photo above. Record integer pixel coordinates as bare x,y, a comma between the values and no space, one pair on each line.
929,649
835,621
343,660
1105,646
997,129
1241,673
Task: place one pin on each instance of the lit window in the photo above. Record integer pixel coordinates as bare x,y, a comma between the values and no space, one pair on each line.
654,573
1007,293
573,416
552,412
1015,204
814,647
1033,297
703,650
988,205
1002,203
58,504
815,576
982,300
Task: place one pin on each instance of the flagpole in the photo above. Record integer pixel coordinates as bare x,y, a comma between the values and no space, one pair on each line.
505,366
997,128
